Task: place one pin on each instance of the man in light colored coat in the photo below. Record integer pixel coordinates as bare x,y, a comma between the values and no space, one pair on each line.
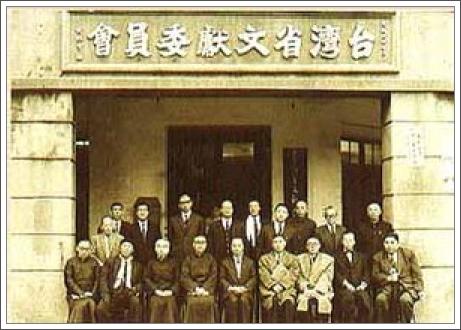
315,284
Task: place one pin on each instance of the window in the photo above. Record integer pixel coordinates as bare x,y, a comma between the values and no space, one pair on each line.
360,152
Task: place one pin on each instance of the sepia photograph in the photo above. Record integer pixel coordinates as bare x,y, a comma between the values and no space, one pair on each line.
195,163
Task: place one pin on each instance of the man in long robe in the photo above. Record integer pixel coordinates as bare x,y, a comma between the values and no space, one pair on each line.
81,276
161,279
198,280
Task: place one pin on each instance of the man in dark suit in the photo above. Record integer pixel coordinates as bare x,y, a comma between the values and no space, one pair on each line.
352,303
304,228
183,227
398,280
81,276
252,227
280,226
121,226
121,283
238,281
370,234
221,233
143,233
330,233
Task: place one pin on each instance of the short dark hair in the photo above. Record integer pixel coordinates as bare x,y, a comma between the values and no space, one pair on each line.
138,204
116,204
392,234
280,205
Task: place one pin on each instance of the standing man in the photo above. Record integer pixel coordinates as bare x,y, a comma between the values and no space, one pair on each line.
198,279
352,301
183,227
330,234
161,278
315,284
398,280
252,230
371,232
278,273
279,226
121,283
304,228
143,233
238,280
81,276
222,232
106,245
120,225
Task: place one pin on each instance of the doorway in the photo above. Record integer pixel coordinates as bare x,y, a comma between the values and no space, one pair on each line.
213,163
361,179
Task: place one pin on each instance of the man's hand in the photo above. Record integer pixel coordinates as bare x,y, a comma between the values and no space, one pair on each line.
167,293
87,294
348,286
363,285
393,277
278,288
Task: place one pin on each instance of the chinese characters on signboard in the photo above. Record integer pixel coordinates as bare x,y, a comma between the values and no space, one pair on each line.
211,41
101,41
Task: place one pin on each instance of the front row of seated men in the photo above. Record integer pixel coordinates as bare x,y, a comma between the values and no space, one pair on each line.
292,288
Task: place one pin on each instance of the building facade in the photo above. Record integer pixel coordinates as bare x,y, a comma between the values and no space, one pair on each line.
340,107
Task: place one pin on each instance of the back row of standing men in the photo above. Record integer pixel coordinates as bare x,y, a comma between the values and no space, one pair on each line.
296,281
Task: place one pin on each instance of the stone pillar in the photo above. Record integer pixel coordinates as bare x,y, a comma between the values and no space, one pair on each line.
418,191
41,206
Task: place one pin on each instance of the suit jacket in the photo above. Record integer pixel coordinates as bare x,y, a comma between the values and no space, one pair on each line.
228,275
319,277
219,241
99,246
124,228
354,272
267,266
410,278
370,237
181,236
331,244
109,275
304,228
253,252
161,275
144,249
268,233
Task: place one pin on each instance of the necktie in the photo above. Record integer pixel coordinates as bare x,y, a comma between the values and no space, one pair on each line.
144,229
125,274
255,231
349,256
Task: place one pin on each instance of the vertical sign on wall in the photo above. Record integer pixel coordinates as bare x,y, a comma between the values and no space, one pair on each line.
294,175
415,147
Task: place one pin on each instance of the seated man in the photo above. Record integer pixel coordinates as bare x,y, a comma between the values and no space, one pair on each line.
315,284
398,280
121,281
238,280
106,245
161,284
278,272
198,279
352,300
81,276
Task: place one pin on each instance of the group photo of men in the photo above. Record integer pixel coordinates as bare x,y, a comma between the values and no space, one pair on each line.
286,268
